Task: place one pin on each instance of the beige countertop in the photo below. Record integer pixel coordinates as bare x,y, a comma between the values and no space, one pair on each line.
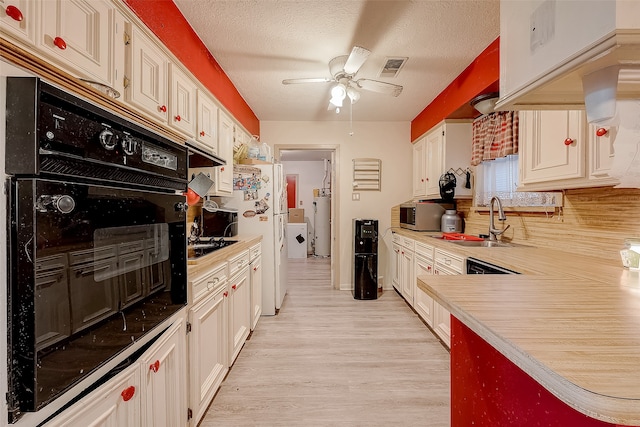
570,322
203,263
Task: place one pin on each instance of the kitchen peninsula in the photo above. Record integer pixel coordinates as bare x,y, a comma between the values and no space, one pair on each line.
558,345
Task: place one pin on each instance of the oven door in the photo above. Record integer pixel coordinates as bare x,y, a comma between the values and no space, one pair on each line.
92,269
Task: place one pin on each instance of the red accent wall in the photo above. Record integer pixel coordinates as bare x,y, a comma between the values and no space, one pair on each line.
167,22
488,390
481,76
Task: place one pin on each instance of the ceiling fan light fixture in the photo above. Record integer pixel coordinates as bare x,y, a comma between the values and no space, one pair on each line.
353,95
336,101
485,103
339,91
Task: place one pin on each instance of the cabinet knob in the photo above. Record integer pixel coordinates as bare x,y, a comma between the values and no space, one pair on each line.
568,141
178,118
155,366
60,43
422,180
234,287
222,169
163,108
14,13
601,131
255,268
202,133
226,294
128,393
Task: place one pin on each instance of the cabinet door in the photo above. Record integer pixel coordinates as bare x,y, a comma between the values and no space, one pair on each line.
224,174
115,403
18,19
256,291
80,33
408,279
419,169
182,101
164,369
207,122
239,312
600,150
553,145
397,267
435,167
147,68
423,303
208,345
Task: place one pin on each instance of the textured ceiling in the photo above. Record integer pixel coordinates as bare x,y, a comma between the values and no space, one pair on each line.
258,43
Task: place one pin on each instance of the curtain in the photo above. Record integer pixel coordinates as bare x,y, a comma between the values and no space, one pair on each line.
495,135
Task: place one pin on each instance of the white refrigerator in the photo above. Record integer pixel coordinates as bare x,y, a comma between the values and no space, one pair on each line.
259,194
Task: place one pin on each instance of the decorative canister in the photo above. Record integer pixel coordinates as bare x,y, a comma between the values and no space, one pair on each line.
451,221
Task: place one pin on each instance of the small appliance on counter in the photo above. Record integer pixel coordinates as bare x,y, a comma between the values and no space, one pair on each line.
451,221
423,215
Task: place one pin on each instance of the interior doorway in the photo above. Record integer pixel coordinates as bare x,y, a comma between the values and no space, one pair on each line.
329,157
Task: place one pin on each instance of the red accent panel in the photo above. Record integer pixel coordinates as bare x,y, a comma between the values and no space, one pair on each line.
292,181
481,76
167,22
488,390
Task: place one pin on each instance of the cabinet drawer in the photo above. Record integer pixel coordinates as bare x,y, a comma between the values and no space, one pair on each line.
208,282
397,238
449,261
408,243
255,251
238,262
424,250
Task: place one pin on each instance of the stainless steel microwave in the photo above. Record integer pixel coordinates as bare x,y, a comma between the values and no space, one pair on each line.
422,216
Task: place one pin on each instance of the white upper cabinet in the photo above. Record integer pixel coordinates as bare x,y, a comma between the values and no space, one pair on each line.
18,19
601,151
547,46
207,122
146,84
419,169
182,101
224,174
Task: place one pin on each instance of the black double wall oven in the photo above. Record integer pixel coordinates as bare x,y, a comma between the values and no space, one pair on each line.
96,234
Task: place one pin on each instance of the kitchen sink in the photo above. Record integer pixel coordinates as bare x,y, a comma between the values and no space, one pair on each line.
486,244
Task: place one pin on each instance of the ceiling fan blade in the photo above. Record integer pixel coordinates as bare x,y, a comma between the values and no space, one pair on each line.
380,87
356,59
311,80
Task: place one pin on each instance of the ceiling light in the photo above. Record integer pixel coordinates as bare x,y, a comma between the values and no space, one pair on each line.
336,101
485,103
353,94
339,91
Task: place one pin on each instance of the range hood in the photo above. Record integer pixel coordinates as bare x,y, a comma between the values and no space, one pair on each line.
201,158
569,55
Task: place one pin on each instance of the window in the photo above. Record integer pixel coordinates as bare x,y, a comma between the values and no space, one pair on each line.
499,178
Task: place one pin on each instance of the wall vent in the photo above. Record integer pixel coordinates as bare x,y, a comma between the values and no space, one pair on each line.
392,66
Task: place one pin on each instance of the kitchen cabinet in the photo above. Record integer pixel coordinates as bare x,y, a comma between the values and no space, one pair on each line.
206,122
546,47
164,385
446,146
396,262
419,169
403,275
423,265
255,269
558,150
445,263
182,101
239,303
147,77
18,19
208,339
149,392
224,174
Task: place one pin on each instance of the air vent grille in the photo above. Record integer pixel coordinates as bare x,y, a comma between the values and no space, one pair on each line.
392,66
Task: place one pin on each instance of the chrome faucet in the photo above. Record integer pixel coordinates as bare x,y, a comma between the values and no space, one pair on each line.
493,232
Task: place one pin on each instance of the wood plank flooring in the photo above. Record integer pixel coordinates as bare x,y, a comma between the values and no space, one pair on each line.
327,359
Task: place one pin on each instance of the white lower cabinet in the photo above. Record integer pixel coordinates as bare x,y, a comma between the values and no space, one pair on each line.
449,264
255,271
423,265
239,304
403,276
207,349
150,392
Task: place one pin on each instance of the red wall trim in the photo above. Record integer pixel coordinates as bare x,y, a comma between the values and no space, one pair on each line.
167,22
481,76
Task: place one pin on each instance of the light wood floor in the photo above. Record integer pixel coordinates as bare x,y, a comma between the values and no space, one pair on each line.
327,359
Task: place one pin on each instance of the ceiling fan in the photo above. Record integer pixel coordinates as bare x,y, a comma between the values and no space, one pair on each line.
343,71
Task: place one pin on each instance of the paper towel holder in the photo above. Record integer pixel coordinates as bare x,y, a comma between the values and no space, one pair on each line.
600,90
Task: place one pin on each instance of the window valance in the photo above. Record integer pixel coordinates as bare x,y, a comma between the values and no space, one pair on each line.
495,135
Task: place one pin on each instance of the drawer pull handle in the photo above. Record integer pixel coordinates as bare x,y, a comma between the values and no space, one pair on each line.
234,287
128,393
14,13
60,43
601,132
155,366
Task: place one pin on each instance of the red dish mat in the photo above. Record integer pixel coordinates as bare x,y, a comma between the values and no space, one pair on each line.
459,236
